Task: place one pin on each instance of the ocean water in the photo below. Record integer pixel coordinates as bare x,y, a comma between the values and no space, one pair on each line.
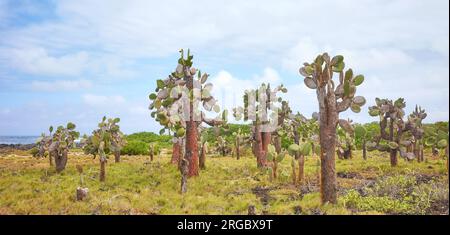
18,139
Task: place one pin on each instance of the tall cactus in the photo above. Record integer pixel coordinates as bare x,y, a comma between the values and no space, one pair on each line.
332,101
176,106
260,107
62,140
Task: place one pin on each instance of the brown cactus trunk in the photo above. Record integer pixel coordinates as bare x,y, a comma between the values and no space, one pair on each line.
191,149
176,153
327,135
258,147
60,160
50,158
117,156
294,175
277,143
184,169
393,152
347,154
364,149
102,169
202,157
238,150
301,169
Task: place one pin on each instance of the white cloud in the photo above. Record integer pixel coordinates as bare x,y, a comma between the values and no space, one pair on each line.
38,61
101,100
60,85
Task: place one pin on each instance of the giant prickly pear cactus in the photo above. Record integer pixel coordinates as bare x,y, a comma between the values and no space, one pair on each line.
105,140
333,99
417,131
392,129
62,140
260,107
176,106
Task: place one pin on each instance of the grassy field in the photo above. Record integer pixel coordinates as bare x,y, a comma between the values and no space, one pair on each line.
228,186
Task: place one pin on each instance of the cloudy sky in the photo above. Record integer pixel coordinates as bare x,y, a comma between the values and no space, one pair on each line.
78,60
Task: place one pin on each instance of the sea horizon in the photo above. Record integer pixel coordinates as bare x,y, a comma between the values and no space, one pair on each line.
18,139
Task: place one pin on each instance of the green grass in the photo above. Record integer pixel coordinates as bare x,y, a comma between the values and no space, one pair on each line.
137,186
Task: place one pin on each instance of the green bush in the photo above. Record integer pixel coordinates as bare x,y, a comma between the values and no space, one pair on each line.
135,147
150,137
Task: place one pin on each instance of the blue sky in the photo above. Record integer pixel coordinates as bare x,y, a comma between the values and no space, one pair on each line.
76,61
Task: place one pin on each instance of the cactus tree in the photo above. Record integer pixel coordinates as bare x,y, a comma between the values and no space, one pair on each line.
260,107
417,131
392,128
105,140
332,101
176,106
62,140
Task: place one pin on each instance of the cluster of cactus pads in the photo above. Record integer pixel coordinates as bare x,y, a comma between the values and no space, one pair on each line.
56,146
397,135
106,139
261,107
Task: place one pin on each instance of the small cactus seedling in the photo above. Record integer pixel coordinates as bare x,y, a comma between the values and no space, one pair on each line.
332,101
260,107
345,142
439,140
62,140
239,138
153,149
392,129
105,140
301,150
176,106
364,135
222,146
273,159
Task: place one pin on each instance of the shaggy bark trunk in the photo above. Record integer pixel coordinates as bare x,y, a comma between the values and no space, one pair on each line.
50,158
202,157
347,154
301,169
393,152
327,134
117,156
176,153
364,149
191,145
184,174
60,160
102,168
238,150
294,175
258,147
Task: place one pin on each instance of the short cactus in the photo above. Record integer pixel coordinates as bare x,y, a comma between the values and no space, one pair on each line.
62,140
